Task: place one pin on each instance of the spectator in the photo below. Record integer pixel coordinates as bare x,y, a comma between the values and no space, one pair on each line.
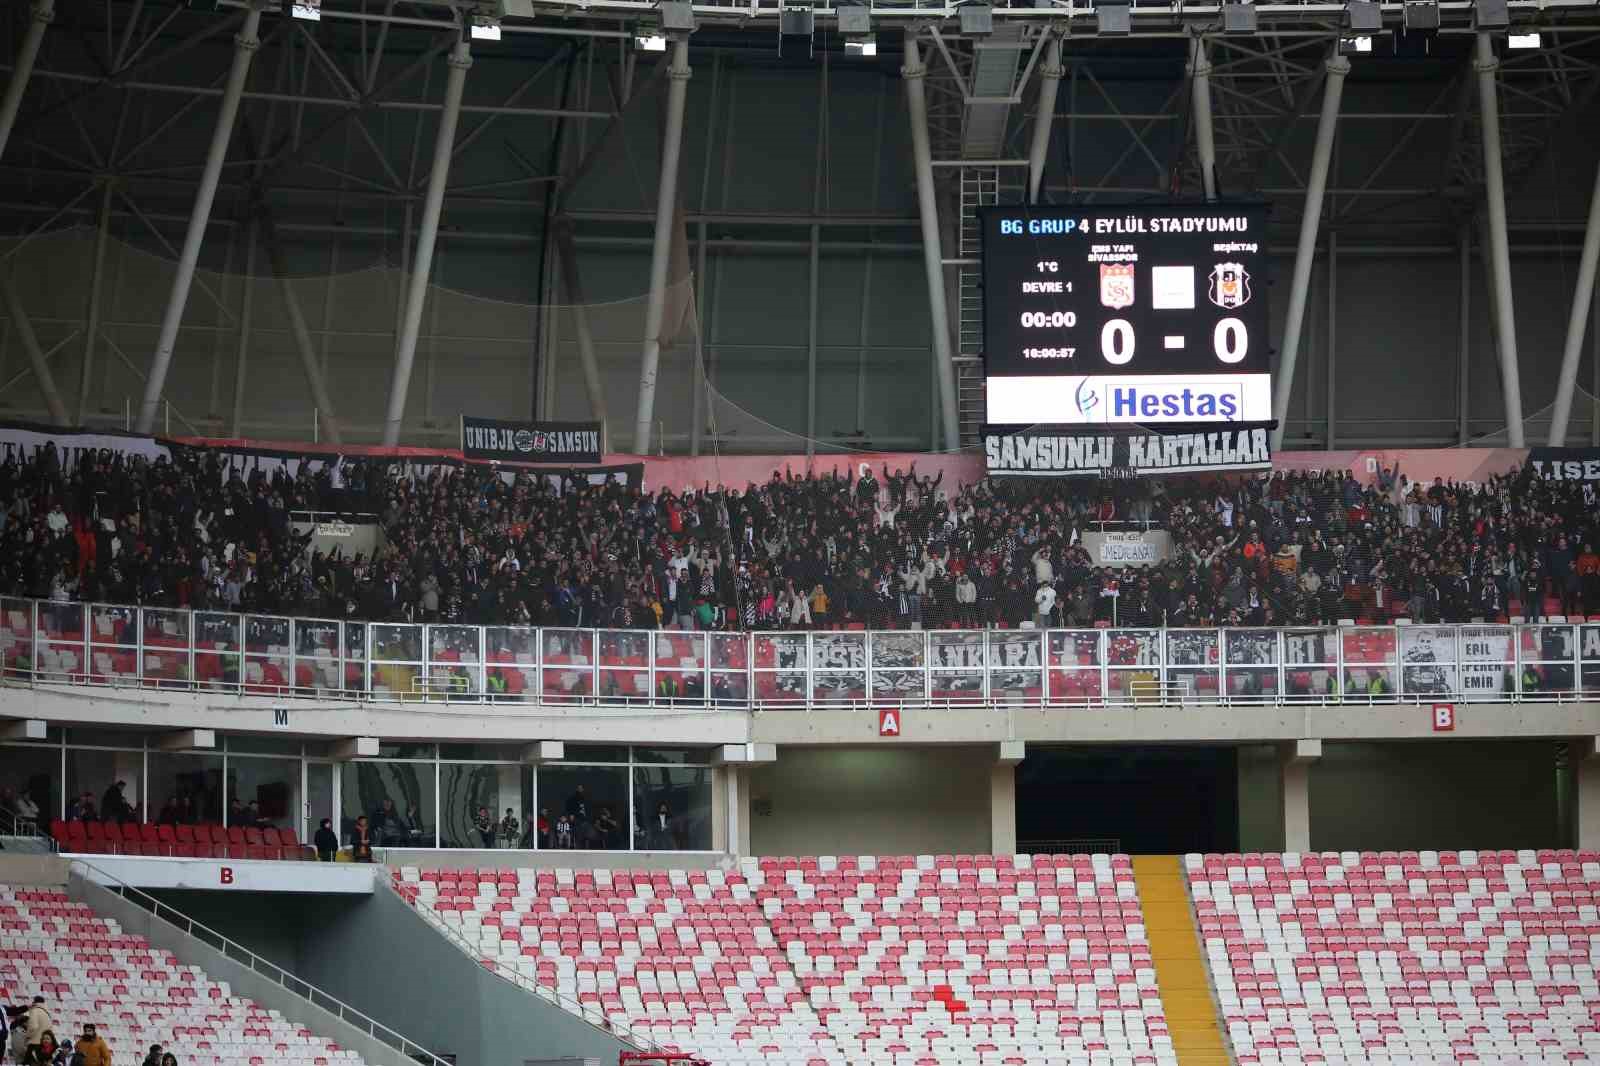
361,841
35,1024
93,1048
658,834
169,1059
154,1057
577,813
43,1052
483,822
510,829
83,810
386,827
412,827
114,806
606,829
327,845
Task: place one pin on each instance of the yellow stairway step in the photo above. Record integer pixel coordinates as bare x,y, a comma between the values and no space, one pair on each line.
1180,968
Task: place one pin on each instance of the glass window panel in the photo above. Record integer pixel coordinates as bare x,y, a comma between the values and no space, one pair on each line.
105,738
1251,647
1429,679
217,632
470,794
407,751
1015,650
34,774
1590,645
1370,680
512,682
897,650
1133,647
1194,681
1485,653
374,788
454,680
956,651
597,753
59,659
780,651
117,626
680,651
1547,644
266,636
1363,645
482,752
1074,647
1247,681
61,621
680,687
956,685
90,772
1547,677
836,686
728,688
587,806
16,636
512,644
730,651
453,644
316,638
1136,686
780,687
899,684
1420,645
624,686
676,756
1075,685
243,742
1192,647
189,783
166,629
672,808
355,656
1025,685
1318,647
266,673
165,664
624,648
265,792
108,663
568,661
391,643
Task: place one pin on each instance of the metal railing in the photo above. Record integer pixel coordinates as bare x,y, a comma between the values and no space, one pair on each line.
525,983
690,671
238,953
1072,846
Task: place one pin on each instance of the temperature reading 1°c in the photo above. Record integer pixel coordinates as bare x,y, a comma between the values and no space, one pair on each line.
1048,266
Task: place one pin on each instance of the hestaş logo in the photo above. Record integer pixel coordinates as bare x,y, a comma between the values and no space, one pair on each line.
1086,397
1134,402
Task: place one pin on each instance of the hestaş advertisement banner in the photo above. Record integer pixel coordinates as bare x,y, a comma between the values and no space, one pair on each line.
530,442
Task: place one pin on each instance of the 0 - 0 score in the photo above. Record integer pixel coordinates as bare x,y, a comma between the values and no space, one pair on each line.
1230,340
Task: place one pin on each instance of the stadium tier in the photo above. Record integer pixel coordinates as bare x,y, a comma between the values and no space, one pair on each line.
89,972
918,960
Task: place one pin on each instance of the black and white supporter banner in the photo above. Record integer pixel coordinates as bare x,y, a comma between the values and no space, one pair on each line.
1565,464
1123,455
566,443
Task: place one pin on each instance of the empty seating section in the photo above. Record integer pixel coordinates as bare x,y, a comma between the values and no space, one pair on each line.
88,970
1430,957
182,841
923,960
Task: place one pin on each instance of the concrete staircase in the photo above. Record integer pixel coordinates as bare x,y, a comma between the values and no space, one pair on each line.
1180,966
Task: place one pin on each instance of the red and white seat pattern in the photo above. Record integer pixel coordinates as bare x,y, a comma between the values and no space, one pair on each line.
922,960
88,970
1415,957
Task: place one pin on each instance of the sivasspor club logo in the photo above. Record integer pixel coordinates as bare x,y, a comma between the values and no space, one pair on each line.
1230,285
1116,285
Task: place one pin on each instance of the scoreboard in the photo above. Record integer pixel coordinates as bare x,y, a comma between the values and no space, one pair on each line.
1139,315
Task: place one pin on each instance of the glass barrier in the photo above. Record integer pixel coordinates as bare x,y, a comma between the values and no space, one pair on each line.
273,655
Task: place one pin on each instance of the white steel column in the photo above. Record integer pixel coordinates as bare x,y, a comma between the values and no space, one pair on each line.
432,205
30,344
1205,141
661,248
302,336
915,75
244,50
1044,117
96,284
1305,251
572,283
1499,249
1464,337
1577,320
246,307
44,11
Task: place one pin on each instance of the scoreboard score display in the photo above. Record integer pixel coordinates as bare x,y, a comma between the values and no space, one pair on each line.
1126,316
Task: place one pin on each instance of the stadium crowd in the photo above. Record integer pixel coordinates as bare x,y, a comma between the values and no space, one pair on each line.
897,548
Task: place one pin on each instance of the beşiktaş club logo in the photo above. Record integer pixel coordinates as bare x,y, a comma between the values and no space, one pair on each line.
1116,285
1230,285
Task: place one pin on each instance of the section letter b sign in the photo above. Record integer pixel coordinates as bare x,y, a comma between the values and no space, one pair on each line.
225,875
1444,717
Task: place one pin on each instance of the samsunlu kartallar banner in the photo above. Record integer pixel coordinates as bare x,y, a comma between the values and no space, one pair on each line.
1036,454
1565,464
530,442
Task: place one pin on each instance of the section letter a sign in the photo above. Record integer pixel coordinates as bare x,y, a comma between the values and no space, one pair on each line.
888,721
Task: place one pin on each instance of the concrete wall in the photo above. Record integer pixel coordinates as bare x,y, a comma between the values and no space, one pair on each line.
1445,794
1260,798
886,801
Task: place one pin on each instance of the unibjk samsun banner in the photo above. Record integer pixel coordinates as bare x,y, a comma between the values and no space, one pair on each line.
530,442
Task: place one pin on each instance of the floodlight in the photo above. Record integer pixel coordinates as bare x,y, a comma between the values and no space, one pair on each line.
1420,15
977,20
1238,18
485,28
1113,19
1524,40
854,21
866,47
1491,14
1354,46
677,15
1366,16
310,10
650,42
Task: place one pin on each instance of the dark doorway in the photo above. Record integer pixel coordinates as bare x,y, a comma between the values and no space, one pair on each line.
1140,800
